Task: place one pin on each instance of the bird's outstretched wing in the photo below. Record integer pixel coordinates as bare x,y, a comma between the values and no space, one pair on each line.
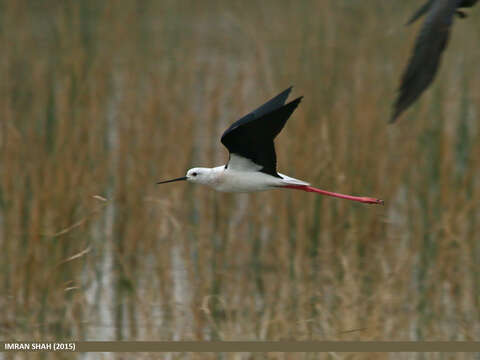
426,55
252,136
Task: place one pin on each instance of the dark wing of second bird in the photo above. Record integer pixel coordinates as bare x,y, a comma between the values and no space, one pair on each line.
252,136
425,59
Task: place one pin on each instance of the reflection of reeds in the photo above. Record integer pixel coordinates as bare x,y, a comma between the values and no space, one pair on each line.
106,99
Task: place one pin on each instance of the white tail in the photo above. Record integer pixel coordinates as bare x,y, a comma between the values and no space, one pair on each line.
292,181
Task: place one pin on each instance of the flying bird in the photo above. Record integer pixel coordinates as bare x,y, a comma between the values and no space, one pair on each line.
429,45
252,163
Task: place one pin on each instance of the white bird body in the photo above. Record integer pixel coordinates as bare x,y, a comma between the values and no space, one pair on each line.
225,179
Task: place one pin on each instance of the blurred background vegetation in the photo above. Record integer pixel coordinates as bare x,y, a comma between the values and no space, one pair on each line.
101,99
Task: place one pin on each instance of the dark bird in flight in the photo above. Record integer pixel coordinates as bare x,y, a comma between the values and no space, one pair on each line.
429,45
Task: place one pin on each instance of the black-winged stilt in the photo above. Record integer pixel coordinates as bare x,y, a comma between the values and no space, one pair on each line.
252,161
429,45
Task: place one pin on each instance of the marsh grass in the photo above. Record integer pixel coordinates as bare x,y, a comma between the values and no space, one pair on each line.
102,99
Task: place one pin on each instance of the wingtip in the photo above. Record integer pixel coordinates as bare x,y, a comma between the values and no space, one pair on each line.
296,100
409,22
287,90
393,118
397,110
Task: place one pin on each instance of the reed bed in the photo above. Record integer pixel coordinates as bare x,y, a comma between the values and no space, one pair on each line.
99,100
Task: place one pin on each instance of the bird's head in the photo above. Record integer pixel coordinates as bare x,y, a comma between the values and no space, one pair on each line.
198,175
195,175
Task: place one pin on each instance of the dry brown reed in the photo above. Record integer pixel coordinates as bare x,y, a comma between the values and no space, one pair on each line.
99,100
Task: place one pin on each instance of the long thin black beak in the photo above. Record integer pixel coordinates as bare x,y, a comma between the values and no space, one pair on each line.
177,179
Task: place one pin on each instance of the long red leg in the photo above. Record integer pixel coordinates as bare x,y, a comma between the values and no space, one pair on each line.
365,200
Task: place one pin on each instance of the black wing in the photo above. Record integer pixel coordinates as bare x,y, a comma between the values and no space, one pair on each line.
425,59
252,136
271,105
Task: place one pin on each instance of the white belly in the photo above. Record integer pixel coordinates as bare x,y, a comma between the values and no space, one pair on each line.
228,180
245,181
